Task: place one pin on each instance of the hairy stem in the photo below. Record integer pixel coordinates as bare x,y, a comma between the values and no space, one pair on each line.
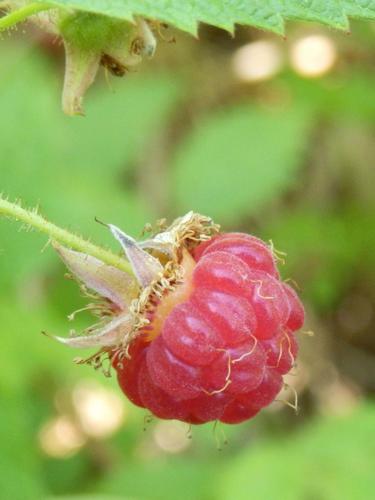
21,14
33,219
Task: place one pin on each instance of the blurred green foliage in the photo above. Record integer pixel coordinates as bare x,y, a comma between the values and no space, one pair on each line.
238,159
289,159
309,464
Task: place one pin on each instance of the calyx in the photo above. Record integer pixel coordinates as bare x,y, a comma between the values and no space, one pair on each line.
90,41
124,303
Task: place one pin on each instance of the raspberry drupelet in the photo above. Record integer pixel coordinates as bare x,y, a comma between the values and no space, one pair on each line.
211,331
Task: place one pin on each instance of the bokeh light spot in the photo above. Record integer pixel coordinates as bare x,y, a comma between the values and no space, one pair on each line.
257,61
171,436
313,55
60,437
100,411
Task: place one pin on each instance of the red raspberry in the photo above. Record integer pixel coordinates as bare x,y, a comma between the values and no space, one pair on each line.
218,345
249,404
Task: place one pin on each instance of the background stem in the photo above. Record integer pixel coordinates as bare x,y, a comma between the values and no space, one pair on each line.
32,218
21,14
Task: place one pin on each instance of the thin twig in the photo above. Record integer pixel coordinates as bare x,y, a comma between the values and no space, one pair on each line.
34,219
19,15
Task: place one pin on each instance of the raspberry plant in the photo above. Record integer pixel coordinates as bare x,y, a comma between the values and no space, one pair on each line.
119,34
238,160
197,323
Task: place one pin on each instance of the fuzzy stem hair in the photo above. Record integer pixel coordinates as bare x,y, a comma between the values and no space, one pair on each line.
21,14
33,219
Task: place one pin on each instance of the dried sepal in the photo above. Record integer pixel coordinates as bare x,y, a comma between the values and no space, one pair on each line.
81,68
111,335
156,274
107,281
146,268
186,231
92,40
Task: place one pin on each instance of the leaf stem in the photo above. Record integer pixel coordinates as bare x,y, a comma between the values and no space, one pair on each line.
33,219
19,15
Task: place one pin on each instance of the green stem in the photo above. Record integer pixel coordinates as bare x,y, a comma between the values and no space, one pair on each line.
32,218
23,13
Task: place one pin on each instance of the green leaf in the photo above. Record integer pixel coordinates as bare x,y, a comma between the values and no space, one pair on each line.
78,169
342,251
20,476
26,353
189,479
90,497
330,460
239,159
265,14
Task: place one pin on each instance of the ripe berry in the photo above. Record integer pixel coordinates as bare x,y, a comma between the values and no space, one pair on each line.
203,331
218,342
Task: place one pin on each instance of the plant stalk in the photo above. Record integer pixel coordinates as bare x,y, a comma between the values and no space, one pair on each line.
35,220
19,15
